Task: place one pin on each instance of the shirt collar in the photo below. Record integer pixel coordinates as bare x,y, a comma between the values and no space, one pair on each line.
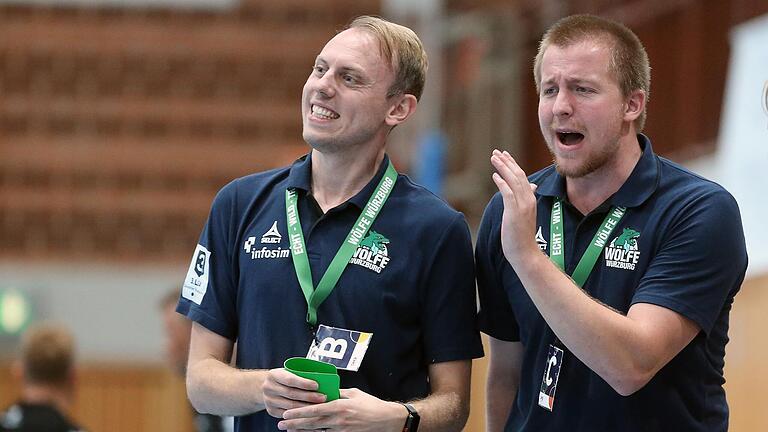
640,185
643,181
300,177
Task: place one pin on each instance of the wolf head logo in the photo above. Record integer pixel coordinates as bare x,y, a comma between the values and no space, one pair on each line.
627,239
375,242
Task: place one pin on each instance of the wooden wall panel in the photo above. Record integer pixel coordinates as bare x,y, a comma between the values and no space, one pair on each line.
746,359
120,124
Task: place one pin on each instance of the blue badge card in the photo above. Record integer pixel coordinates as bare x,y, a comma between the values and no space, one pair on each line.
551,374
342,348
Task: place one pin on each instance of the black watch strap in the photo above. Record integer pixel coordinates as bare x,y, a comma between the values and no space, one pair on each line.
412,422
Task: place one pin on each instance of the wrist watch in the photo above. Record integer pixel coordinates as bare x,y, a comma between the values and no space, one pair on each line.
412,422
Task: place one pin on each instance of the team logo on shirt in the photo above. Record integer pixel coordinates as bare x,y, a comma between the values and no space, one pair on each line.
541,241
273,237
372,252
622,252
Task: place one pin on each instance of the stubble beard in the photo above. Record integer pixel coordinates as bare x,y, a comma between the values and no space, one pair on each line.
594,161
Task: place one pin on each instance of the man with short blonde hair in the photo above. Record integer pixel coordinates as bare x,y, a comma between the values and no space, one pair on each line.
606,305
338,247
628,61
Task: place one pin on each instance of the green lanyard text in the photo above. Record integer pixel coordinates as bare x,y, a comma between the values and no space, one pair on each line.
315,297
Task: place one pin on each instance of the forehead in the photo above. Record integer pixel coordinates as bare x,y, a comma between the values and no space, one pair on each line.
585,59
353,46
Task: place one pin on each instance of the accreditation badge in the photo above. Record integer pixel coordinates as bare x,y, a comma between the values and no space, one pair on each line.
340,347
551,374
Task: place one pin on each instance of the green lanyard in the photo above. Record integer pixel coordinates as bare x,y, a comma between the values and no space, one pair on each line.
588,260
371,210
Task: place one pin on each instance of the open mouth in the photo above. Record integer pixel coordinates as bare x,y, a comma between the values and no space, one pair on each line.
570,138
324,113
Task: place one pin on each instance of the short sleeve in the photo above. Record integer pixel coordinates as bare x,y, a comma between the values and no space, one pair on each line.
450,303
700,263
210,289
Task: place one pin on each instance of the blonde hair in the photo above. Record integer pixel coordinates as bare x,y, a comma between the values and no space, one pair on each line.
628,63
404,50
47,354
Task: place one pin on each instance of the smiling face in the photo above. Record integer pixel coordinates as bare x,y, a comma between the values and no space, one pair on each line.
344,101
582,114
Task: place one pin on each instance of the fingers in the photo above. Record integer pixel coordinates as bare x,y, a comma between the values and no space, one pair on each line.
311,424
289,379
510,171
283,391
300,426
506,193
510,179
312,417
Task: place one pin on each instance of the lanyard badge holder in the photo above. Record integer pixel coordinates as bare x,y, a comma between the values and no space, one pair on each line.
343,348
556,353
340,347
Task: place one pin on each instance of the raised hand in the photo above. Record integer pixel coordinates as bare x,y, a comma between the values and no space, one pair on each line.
518,227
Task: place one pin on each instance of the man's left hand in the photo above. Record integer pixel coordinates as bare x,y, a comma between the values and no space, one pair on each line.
356,411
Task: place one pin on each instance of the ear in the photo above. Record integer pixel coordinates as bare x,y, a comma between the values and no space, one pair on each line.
635,105
404,107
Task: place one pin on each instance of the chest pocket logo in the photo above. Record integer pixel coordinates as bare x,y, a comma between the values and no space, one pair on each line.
372,253
269,240
623,251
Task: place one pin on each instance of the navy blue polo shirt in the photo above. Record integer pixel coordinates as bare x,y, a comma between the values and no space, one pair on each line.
680,245
414,291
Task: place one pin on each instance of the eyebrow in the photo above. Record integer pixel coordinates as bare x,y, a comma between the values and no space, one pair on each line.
572,81
357,71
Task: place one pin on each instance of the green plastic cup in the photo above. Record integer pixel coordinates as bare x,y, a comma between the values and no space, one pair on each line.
324,374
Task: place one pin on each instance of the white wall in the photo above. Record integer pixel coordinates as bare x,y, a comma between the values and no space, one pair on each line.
112,309
741,161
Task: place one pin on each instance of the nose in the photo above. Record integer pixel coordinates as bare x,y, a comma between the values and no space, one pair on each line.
325,85
562,106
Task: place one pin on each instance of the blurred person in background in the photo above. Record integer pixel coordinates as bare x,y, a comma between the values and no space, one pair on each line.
264,272
46,370
177,334
621,323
